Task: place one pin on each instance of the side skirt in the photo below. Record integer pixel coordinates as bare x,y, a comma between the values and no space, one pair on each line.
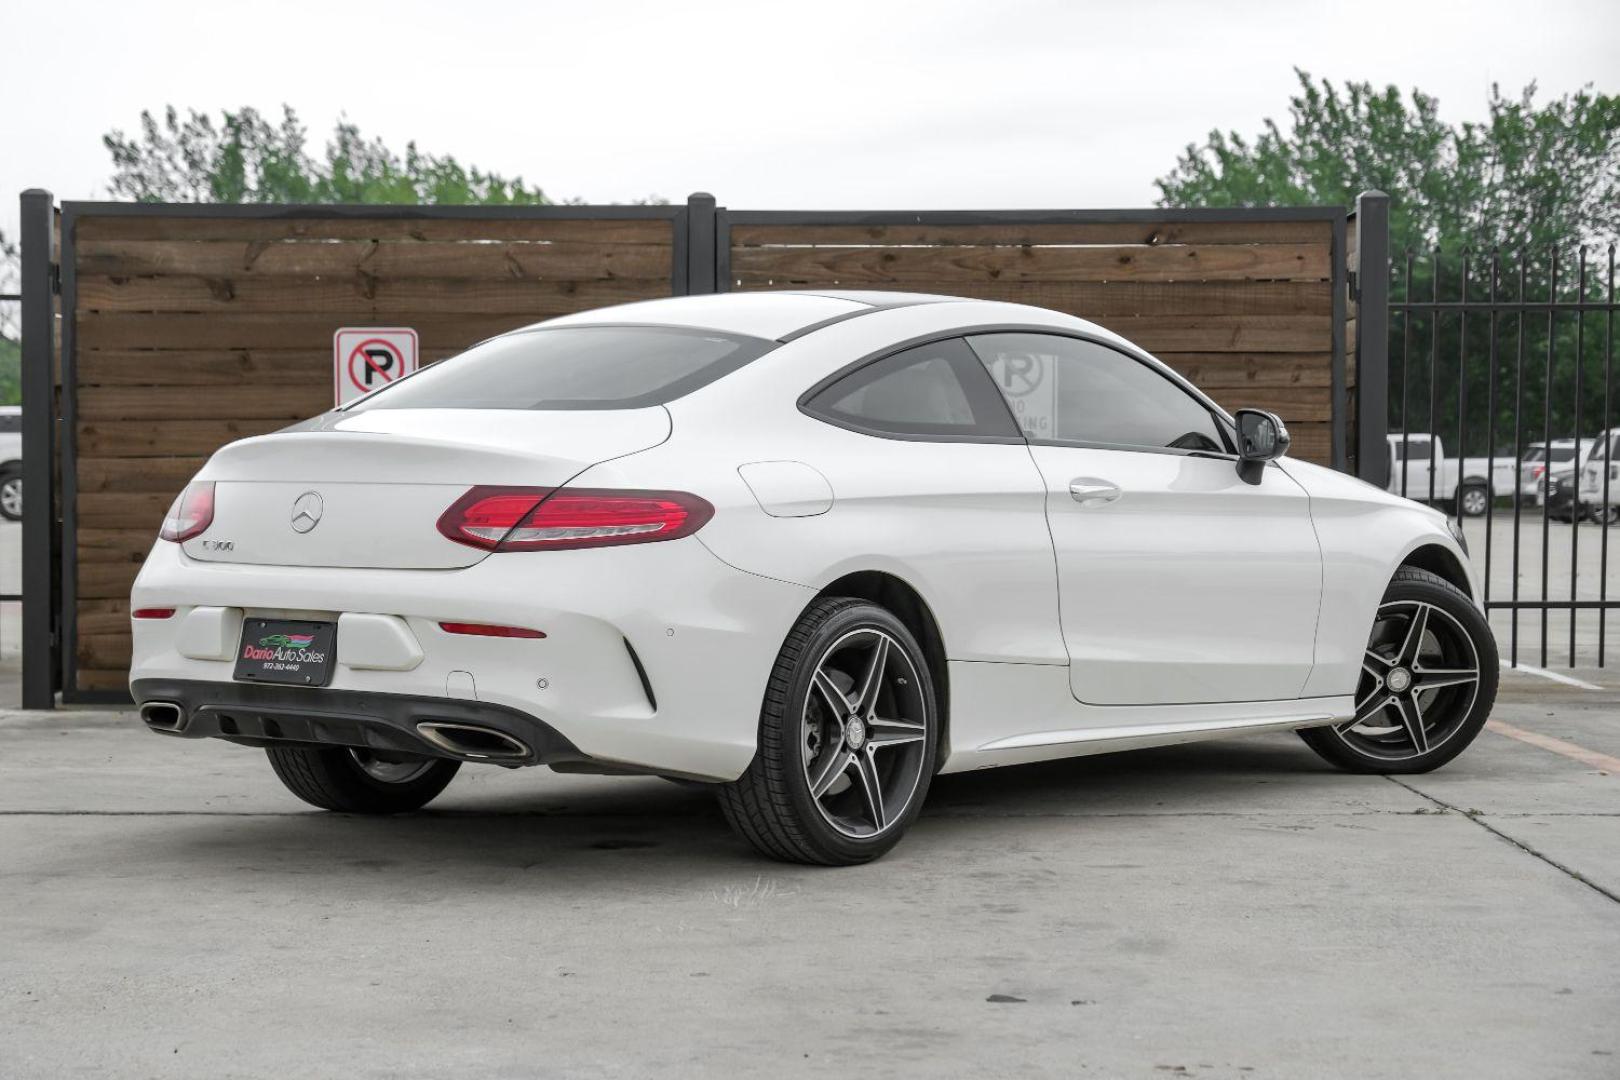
1012,714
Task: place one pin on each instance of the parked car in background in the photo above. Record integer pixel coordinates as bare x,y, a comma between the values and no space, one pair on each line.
1430,476
1600,501
11,462
1556,476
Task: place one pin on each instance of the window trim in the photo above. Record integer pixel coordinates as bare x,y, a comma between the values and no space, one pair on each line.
888,351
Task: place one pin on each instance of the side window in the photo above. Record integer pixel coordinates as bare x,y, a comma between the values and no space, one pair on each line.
1067,390
935,390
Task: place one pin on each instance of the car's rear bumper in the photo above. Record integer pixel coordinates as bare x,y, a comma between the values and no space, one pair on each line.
655,657
257,714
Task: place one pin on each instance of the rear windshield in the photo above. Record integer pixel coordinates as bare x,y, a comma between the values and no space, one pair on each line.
574,367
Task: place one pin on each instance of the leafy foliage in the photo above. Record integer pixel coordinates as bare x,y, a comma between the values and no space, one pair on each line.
246,157
1530,175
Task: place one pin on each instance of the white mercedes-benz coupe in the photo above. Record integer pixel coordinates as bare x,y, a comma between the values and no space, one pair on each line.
810,548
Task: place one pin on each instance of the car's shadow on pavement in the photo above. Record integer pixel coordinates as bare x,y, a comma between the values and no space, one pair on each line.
495,828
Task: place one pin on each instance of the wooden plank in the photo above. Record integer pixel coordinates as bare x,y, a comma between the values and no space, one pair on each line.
355,294
496,260
1094,299
1224,333
857,267
114,545
1156,232
103,616
1312,442
137,474
137,510
173,438
273,401
130,330
92,679
1246,370
1301,403
103,651
108,580
213,367
583,230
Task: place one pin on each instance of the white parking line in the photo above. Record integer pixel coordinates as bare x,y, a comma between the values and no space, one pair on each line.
1567,680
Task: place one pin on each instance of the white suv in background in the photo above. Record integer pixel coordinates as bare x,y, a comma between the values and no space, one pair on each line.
11,462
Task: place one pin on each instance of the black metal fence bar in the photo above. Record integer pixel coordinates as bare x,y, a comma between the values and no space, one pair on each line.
1516,400
41,642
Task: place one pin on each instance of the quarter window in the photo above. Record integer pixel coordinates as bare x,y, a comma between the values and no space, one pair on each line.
934,390
1072,391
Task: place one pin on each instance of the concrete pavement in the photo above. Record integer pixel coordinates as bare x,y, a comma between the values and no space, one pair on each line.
1226,910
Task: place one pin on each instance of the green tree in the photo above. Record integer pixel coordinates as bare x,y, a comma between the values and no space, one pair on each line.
1474,205
1529,176
245,157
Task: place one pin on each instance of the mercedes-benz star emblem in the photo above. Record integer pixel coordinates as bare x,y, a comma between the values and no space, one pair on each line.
306,511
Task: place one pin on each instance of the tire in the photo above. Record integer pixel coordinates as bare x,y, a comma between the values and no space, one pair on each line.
334,778
1605,515
1449,715
11,493
803,744
1475,500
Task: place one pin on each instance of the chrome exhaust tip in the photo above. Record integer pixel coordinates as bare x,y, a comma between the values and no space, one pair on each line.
163,715
473,741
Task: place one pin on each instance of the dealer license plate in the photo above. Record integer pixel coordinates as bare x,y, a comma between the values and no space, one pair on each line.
286,651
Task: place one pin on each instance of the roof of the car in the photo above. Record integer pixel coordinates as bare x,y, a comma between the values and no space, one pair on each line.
773,315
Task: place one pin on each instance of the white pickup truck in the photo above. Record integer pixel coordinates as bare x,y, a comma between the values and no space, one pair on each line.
1424,462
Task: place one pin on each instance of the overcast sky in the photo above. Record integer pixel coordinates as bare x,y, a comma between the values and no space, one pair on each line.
824,104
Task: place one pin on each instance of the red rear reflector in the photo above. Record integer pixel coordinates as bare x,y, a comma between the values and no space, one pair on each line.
541,519
191,514
152,613
473,629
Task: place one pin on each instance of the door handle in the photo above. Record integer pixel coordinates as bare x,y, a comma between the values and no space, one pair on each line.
1090,491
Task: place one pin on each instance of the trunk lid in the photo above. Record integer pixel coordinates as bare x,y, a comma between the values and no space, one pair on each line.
366,489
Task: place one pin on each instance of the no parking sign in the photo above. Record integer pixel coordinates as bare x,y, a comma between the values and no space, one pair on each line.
367,358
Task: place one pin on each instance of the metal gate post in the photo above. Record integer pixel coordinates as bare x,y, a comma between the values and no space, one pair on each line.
700,246
1372,337
39,539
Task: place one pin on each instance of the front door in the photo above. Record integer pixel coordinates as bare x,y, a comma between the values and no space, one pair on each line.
1178,581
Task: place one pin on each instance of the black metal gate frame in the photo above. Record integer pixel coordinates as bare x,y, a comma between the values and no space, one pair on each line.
1496,310
700,264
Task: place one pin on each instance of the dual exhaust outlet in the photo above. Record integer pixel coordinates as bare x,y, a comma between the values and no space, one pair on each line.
472,742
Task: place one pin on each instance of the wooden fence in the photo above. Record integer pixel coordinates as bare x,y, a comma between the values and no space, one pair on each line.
189,331
186,327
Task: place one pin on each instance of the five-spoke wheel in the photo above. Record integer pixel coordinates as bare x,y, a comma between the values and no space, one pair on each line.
1428,680
847,743
864,732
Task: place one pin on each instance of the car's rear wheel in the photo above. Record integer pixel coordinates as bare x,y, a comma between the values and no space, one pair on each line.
1428,681
1605,515
847,740
1476,499
360,781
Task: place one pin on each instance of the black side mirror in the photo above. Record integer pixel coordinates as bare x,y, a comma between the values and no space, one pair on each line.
1262,437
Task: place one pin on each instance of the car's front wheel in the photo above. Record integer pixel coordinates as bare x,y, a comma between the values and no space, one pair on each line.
847,740
360,781
1605,515
11,493
1428,681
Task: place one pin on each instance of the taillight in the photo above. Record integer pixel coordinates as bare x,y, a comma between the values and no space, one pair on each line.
152,613
191,514
545,519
